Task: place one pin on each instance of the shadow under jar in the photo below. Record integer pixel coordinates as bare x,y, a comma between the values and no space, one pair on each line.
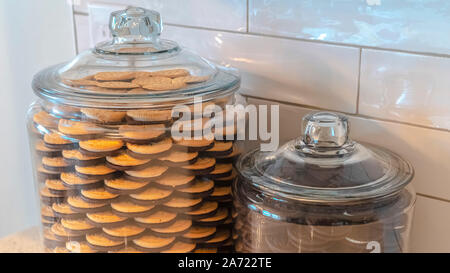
323,192
131,149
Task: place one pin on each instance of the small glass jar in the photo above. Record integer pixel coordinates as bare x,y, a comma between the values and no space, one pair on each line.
323,192
131,149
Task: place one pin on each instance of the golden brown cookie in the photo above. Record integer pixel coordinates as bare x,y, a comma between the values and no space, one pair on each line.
174,180
57,141
230,158
117,85
79,129
179,227
126,232
46,174
199,189
178,204
115,76
151,196
75,157
225,181
149,80
100,242
195,145
42,118
56,186
63,210
106,219
48,214
221,170
50,239
98,195
215,220
150,243
207,209
146,175
43,150
129,209
103,116
148,151
221,237
143,134
150,116
158,219
194,79
78,226
79,247
56,164
97,172
74,182
122,185
197,234
65,235
206,250
49,198
181,247
220,148
77,204
221,193
101,147
171,73
179,158
203,165
124,161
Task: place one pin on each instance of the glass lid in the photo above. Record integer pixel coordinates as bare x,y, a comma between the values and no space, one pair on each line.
325,165
134,66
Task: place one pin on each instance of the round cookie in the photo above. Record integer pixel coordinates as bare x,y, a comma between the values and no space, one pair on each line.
56,141
56,164
74,182
207,209
148,116
97,172
178,204
219,218
225,181
101,147
198,234
122,185
56,186
147,174
178,228
179,158
79,129
175,180
181,247
151,150
46,174
47,223
221,237
49,198
143,134
106,219
203,165
158,219
63,210
103,116
48,214
150,243
195,145
124,161
43,150
230,158
114,76
42,118
221,193
98,195
220,148
75,157
77,204
50,239
129,209
221,170
124,233
171,73
64,235
199,189
100,242
78,226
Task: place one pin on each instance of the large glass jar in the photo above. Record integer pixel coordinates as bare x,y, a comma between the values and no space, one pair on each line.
131,151
323,192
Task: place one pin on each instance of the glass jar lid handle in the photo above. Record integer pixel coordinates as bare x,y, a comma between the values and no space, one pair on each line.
325,134
135,25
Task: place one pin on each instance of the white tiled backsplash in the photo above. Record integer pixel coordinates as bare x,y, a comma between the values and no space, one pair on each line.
385,63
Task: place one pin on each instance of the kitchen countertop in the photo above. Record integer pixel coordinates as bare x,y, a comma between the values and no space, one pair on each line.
27,241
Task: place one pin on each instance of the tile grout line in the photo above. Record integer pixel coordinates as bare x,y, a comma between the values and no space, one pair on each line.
429,54
349,114
358,90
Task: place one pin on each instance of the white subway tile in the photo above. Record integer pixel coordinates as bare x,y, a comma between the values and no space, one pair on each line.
417,25
286,70
428,150
218,14
405,87
82,32
431,226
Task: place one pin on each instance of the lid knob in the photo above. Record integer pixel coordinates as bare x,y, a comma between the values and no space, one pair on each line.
135,25
325,134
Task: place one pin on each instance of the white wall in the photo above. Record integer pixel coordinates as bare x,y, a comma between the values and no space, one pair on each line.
34,34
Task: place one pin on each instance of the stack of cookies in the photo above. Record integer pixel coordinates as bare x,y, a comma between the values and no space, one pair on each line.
117,181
